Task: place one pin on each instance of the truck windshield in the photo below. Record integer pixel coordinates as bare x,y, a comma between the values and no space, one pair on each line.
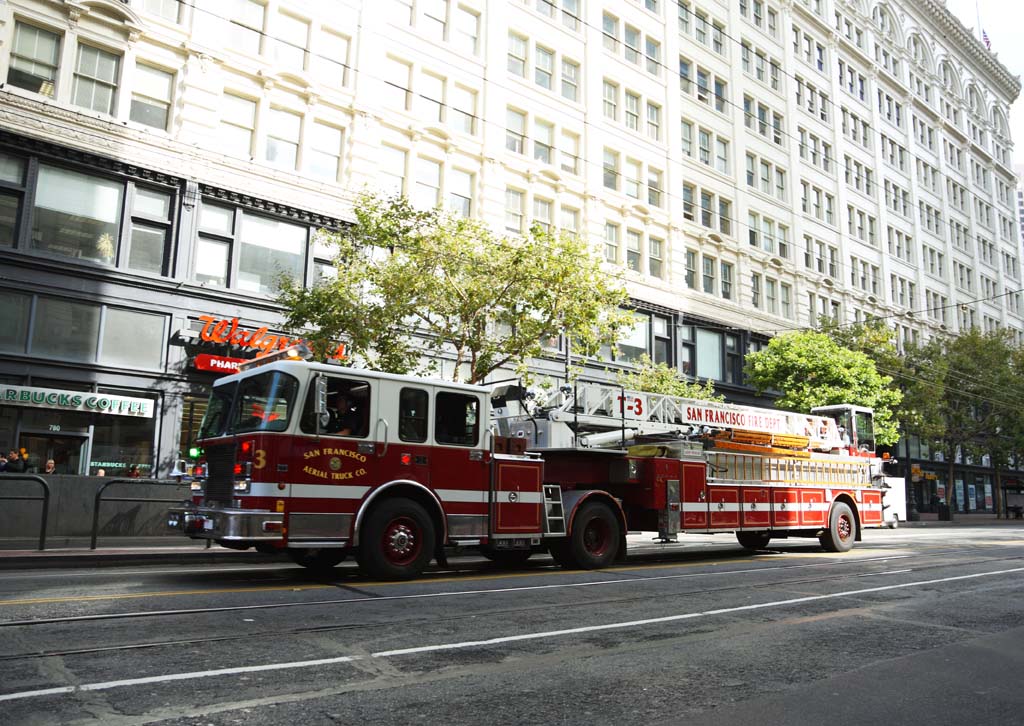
265,402
865,431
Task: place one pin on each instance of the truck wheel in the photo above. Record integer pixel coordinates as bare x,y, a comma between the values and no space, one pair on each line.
317,560
594,540
506,558
753,540
397,540
842,529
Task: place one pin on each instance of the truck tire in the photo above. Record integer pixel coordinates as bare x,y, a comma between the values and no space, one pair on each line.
842,529
593,542
317,560
397,540
753,540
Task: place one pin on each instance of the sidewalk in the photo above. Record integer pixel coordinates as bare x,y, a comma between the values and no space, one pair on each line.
21,553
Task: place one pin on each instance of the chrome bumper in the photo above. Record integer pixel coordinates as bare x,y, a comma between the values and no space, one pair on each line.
249,525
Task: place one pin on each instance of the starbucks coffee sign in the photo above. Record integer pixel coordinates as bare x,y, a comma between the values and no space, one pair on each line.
76,401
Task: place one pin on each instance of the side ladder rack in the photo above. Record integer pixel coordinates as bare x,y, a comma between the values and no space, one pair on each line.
554,512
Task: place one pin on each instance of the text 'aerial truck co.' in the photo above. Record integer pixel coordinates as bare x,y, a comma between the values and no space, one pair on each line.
320,461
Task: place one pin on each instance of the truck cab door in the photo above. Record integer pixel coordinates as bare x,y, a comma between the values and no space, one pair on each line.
695,495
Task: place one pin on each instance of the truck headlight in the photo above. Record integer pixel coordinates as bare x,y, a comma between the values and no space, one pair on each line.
242,486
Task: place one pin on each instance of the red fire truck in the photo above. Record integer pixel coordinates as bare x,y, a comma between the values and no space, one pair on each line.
320,461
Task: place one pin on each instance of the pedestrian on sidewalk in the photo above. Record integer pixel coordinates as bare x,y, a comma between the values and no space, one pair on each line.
15,464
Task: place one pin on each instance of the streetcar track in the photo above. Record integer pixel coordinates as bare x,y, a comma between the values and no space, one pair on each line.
448,617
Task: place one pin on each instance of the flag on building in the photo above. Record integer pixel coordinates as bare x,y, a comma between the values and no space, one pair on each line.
984,38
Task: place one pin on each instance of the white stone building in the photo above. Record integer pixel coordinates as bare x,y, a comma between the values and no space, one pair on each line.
745,166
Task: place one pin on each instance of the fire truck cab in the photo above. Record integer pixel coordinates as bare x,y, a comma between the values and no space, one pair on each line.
321,461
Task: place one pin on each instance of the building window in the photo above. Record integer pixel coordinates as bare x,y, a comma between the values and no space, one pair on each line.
325,151
70,330
427,193
245,25
515,131
708,276
245,251
460,192
517,55
391,171
34,58
396,84
709,354
544,67
691,269
655,254
151,213
237,125
283,138
96,79
76,215
570,80
463,109
151,98
611,242
291,38
611,169
466,30
431,91
330,61
633,251
514,200
12,181
166,9
733,359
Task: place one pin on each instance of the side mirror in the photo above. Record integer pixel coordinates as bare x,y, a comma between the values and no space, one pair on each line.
320,402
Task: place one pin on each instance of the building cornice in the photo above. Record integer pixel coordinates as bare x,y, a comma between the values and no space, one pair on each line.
972,49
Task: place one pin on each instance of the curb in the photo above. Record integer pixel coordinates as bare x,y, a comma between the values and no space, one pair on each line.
22,560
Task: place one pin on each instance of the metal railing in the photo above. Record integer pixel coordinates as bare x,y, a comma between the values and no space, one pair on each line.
149,482
45,499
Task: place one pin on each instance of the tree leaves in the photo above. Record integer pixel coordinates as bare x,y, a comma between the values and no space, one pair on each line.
811,369
415,285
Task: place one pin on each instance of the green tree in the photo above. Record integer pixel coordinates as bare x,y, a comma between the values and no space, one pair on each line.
810,369
652,377
414,284
979,402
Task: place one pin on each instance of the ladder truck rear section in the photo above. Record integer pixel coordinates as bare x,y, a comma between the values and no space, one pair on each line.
321,462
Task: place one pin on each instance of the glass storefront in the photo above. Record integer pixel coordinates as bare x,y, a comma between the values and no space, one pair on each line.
47,426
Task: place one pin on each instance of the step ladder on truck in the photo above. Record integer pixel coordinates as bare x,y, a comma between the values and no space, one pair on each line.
415,467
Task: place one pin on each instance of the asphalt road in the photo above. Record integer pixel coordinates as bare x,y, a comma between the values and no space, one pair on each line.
912,627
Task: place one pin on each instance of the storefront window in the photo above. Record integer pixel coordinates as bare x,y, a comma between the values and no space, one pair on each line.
121,442
76,215
132,339
65,329
14,329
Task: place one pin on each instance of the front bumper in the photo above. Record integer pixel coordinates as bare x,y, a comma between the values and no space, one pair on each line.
235,525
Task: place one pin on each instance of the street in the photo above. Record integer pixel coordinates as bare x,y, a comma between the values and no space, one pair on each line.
913,626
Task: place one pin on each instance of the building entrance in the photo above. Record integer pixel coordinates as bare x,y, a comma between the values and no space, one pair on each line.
66,452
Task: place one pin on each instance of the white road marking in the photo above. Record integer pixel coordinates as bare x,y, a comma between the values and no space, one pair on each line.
420,596
195,675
